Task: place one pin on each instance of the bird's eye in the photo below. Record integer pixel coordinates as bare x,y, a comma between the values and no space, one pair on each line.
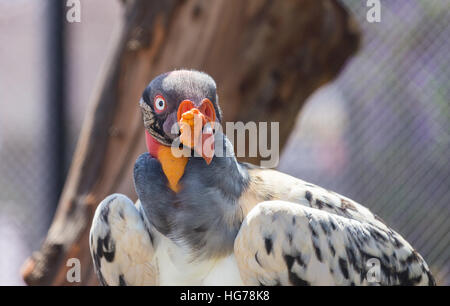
159,103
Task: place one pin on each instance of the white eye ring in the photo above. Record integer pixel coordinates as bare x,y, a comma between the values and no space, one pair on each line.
160,104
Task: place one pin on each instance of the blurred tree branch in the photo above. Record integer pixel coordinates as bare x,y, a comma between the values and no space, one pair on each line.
266,56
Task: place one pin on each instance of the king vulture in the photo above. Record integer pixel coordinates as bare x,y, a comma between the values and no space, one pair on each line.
207,219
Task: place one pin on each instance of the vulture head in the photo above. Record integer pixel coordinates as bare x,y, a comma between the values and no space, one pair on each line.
180,108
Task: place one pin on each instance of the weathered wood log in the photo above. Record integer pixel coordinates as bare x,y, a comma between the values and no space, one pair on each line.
266,56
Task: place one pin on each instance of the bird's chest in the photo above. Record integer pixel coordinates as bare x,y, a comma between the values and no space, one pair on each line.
176,268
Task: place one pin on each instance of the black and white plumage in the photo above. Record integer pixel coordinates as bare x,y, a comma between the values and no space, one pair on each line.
123,243
228,223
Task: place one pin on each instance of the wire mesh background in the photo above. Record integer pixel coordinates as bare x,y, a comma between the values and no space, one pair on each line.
24,213
380,133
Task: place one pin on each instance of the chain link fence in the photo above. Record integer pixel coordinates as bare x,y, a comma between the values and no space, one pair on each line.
380,133
25,211
27,155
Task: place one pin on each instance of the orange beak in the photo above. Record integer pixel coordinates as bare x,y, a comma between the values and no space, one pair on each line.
192,123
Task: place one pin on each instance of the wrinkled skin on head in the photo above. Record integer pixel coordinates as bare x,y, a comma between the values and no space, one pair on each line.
175,87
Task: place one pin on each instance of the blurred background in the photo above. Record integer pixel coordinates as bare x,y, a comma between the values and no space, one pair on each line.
379,133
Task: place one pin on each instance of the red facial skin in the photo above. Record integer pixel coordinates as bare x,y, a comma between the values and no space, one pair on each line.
174,167
152,145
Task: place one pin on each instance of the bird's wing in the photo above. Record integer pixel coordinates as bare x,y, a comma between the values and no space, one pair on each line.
281,243
121,243
268,184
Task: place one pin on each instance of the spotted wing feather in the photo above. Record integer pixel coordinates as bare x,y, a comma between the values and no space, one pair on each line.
121,243
282,243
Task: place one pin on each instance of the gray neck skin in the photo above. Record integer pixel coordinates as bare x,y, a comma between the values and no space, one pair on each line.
204,214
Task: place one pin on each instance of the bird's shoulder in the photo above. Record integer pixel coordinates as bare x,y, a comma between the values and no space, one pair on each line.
269,184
